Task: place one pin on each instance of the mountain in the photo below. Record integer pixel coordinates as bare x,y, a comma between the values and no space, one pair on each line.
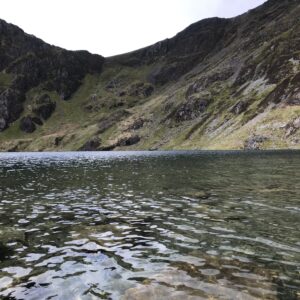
218,84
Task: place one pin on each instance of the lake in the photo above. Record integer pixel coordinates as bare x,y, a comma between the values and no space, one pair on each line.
150,225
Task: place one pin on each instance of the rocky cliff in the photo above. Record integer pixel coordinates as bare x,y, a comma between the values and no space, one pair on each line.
218,84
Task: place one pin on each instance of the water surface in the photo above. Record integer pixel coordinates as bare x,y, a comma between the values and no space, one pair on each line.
150,225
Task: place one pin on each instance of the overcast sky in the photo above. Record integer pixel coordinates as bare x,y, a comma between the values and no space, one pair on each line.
110,27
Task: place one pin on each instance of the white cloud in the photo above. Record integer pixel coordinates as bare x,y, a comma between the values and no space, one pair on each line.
110,27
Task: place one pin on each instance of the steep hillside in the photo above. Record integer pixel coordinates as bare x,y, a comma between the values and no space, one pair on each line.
219,84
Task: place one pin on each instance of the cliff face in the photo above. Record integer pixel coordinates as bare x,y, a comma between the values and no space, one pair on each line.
27,62
219,84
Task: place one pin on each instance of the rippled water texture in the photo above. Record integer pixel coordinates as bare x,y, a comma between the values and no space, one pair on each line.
150,225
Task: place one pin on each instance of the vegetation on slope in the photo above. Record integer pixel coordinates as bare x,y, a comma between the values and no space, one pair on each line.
219,84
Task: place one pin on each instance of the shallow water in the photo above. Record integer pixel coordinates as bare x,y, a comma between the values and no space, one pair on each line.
150,225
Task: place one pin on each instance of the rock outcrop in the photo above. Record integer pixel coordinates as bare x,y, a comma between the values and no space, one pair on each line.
43,106
32,63
27,124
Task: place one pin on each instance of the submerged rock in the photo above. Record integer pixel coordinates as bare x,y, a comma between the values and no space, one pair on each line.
199,194
5,252
155,291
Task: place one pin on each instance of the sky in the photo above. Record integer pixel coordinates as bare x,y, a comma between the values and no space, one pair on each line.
110,27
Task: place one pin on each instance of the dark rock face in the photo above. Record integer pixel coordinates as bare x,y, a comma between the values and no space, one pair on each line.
107,148
3,124
287,92
91,145
27,125
37,121
5,252
44,106
278,95
10,107
192,109
58,140
254,142
132,140
122,142
32,62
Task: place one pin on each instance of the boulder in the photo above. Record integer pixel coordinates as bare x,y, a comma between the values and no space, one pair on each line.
27,125
91,145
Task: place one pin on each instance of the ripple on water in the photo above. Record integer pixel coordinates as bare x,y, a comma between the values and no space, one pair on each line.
150,226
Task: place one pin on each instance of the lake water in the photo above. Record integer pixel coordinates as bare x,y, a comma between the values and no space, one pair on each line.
150,225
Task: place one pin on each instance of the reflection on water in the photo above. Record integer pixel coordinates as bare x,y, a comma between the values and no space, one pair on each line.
150,225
